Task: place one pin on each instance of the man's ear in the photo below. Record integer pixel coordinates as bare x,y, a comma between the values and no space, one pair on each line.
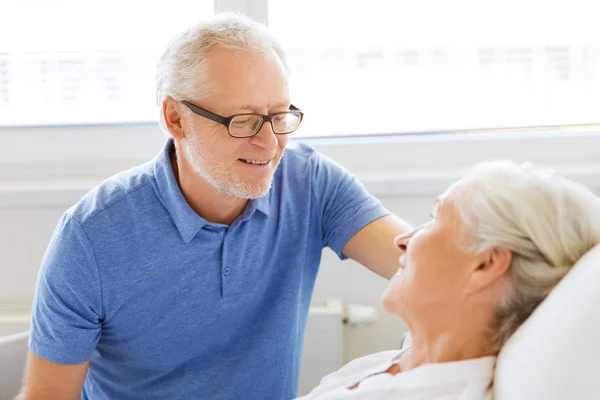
492,266
172,116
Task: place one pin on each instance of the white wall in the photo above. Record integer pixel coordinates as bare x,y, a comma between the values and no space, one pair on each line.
24,235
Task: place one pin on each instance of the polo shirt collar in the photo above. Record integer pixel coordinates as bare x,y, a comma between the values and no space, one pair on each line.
261,204
187,221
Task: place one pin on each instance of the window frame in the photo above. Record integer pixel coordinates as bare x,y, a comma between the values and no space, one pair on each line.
89,154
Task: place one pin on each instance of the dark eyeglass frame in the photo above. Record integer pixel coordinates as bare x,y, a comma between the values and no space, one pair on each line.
226,121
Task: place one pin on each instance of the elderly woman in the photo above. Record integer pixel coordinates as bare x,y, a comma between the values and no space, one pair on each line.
498,242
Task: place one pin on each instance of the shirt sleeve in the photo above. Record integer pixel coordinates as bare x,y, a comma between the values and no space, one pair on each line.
67,305
344,204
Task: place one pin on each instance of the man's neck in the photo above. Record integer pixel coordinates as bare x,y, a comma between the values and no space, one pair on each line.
209,203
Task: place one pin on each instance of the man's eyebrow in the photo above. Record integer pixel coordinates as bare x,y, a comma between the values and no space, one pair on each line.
281,104
239,107
242,107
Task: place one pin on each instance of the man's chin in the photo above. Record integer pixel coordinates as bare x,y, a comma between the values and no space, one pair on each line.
249,192
254,196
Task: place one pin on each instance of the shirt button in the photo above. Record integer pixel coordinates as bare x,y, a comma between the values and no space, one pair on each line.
226,271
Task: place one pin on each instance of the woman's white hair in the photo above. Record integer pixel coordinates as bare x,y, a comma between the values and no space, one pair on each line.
547,221
181,71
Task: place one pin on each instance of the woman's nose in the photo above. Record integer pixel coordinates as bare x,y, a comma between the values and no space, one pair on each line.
401,241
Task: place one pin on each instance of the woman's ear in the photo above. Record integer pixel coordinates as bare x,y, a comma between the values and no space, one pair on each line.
491,267
172,116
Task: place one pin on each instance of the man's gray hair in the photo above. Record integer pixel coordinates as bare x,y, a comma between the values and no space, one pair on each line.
182,67
547,221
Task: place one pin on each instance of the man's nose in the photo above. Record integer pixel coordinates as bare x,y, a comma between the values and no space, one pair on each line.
265,137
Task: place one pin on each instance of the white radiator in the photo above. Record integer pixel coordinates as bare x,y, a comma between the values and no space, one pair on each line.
324,341
323,344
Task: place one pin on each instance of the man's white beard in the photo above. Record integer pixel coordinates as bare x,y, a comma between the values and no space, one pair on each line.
224,180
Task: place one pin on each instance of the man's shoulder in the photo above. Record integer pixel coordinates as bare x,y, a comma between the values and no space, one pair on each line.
304,161
301,155
114,195
300,152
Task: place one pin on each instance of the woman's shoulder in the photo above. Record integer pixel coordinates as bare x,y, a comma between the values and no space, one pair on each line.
372,359
352,372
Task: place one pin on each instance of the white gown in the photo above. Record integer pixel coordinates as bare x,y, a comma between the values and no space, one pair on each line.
460,380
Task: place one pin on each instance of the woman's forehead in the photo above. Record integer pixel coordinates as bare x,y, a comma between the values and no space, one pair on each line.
458,191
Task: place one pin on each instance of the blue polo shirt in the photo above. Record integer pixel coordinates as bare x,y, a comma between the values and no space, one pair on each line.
167,305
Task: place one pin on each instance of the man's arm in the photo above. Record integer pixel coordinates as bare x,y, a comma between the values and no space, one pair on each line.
354,223
373,246
45,380
66,316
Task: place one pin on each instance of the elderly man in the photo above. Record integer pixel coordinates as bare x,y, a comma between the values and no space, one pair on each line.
191,276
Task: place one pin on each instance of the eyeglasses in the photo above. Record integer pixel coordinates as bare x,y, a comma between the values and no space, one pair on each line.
249,124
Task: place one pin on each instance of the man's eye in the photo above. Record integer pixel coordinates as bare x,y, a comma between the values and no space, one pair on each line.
241,121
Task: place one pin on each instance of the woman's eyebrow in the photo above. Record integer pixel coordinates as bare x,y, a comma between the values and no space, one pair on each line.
439,202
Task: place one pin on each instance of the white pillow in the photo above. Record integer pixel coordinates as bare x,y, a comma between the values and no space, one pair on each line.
555,354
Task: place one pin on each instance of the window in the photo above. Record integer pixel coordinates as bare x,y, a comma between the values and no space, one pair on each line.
83,62
358,68
399,66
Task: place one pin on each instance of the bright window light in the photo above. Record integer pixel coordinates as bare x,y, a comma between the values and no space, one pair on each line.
85,62
399,66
